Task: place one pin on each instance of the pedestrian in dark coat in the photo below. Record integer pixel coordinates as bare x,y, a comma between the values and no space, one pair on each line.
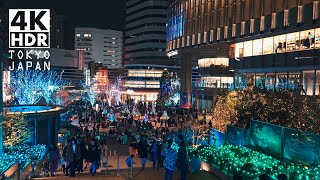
93,156
154,154
182,160
81,154
143,152
54,157
72,156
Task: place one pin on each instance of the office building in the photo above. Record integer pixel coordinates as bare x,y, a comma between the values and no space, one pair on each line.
100,46
145,48
62,32
270,43
69,63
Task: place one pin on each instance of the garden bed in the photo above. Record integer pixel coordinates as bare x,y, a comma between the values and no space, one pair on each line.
250,164
22,154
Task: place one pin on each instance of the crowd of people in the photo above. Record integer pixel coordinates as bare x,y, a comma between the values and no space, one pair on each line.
152,140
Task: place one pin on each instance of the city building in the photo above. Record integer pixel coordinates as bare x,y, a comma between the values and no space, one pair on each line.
69,63
270,43
142,80
214,77
62,32
114,74
145,48
100,46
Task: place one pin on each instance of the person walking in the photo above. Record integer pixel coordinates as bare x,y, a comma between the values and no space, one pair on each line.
182,159
54,157
93,156
143,152
64,162
80,155
71,157
154,153
170,156
195,163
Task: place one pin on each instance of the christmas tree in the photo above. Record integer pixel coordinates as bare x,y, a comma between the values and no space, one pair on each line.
284,108
16,130
169,92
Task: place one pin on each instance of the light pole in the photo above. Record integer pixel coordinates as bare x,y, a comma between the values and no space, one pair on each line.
1,100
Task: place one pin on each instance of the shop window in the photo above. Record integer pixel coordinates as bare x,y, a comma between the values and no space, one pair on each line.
293,42
270,82
317,38
239,50
257,50
260,81
294,81
307,39
308,77
318,84
247,49
280,44
282,81
268,45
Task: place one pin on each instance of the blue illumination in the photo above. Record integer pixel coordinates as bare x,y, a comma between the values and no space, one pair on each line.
29,86
28,108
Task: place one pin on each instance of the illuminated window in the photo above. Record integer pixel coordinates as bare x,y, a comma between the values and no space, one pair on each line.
216,82
207,62
317,38
307,39
78,35
239,50
113,38
293,42
247,49
280,44
257,50
268,45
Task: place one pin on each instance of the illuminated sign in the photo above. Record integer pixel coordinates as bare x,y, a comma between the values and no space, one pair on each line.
29,28
172,53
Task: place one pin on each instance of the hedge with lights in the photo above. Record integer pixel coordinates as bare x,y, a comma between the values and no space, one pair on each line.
22,154
250,164
284,108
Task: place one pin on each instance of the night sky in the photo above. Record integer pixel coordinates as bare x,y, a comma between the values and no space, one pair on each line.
104,14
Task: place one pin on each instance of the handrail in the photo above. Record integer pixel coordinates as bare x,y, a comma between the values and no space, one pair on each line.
10,171
15,171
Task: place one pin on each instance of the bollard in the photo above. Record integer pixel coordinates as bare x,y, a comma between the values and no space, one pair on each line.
131,169
107,165
118,171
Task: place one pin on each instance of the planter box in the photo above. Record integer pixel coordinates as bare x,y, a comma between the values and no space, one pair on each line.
207,167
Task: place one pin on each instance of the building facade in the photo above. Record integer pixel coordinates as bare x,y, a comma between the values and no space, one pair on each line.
100,46
62,32
271,43
145,49
69,63
145,36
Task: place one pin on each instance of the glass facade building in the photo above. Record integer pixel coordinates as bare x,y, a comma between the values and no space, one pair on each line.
273,44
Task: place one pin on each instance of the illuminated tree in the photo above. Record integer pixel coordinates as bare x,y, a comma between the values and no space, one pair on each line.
62,97
30,85
114,92
15,130
225,111
169,92
282,108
